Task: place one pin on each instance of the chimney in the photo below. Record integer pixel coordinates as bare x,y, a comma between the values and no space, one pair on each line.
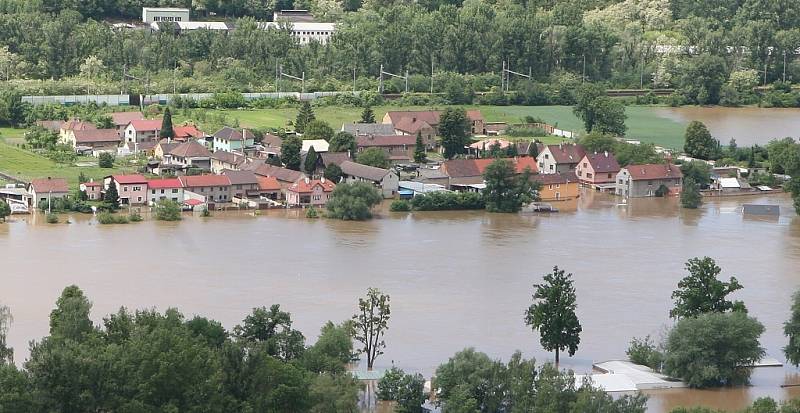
322,179
307,180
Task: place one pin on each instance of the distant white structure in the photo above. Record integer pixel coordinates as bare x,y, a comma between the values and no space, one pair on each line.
164,14
306,32
187,26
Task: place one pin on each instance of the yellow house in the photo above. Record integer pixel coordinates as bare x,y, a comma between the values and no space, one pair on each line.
558,187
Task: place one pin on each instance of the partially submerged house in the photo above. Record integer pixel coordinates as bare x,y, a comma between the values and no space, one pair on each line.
386,180
598,169
309,192
557,187
398,148
562,157
645,180
44,190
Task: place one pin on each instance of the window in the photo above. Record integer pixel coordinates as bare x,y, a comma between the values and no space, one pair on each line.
588,175
237,187
162,191
584,164
124,189
174,191
153,192
546,156
551,167
649,182
550,186
139,199
609,176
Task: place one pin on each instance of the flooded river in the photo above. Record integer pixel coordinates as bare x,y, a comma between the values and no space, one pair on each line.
749,126
457,279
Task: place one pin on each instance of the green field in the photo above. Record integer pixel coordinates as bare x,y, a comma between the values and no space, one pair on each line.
643,123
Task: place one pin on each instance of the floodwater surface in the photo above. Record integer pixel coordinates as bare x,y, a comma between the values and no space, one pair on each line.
749,126
456,279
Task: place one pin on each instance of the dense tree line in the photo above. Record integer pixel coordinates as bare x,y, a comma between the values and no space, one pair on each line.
711,51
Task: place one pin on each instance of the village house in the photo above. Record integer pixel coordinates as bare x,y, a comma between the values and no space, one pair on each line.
72,125
141,131
562,157
384,179
366,129
132,189
485,146
214,188
320,145
191,155
161,189
286,177
597,169
558,187
163,148
222,160
468,173
93,190
122,119
230,140
185,133
44,190
51,125
244,184
270,146
95,141
399,148
269,187
427,123
309,192
645,180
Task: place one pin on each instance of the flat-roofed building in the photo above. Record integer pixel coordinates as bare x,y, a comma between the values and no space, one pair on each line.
164,14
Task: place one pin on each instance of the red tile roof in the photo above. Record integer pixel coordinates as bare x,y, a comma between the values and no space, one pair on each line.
304,186
386,140
190,149
567,152
268,183
204,180
603,162
95,135
166,183
654,171
430,117
193,202
129,179
459,168
187,131
42,185
123,118
146,124
77,124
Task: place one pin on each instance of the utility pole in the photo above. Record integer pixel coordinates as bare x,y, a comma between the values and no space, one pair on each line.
302,80
784,65
431,74
354,80
277,79
507,72
383,72
583,77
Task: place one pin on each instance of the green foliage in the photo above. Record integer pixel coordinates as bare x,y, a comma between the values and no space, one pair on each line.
290,152
406,389
448,201
317,129
553,313
135,217
700,172
691,197
505,190
332,173
311,212
5,210
702,292
70,319
643,351
376,157
353,201
105,160
52,219
598,143
168,210
371,322
714,349
454,128
6,353
38,137
699,143
310,165
107,218
271,329
599,113
166,125
630,154
342,142
400,205
332,351
111,197
367,115
419,150
304,116
791,329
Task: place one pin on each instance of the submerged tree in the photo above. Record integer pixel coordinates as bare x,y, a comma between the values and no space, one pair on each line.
791,329
371,323
553,313
690,194
701,292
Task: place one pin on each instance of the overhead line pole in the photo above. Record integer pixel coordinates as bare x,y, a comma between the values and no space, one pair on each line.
383,72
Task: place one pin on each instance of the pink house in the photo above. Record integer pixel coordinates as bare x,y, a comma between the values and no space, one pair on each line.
94,190
309,192
597,168
132,189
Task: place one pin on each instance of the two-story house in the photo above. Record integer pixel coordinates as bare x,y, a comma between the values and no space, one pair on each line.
386,180
244,184
563,157
645,180
230,140
122,119
597,169
72,125
95,140
309,192
191,155
213,188
142,131
161,189
399,148
132,189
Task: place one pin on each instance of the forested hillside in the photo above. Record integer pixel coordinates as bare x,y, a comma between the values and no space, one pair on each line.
710,50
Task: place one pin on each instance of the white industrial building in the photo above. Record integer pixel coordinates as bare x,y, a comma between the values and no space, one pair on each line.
306,32
188,26
164,14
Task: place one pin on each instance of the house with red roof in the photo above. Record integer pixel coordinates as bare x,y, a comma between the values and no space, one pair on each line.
140,131
93,190
426,122
44,190
562,157
597,169
467,172
309,192
269,187
399,148
645,180
186,132
122,119
166,188
212,188
132,189
95,140
72,125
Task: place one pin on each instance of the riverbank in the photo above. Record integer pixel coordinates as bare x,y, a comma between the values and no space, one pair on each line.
457,279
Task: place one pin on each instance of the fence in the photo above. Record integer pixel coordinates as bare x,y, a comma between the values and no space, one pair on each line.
163,99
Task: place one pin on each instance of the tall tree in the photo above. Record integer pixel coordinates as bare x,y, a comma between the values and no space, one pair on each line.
271,328
304,116
342,142
111,197
702,292
791,329
698,142
553,313
453,128
70,319
376,157
311,161
166,125
505,190
371,323
691,197
419,150
6,353
600,114
317,129
367,116
290,152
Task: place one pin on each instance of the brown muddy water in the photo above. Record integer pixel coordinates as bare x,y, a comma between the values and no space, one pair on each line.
749,126
457,279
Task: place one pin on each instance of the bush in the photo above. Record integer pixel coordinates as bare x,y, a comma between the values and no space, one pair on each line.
168,210
135,217
408,390
643,351
107,218
106,160
400,206
52,219
353,201
444,201
311,212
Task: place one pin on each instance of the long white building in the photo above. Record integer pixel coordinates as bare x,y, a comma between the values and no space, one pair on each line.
164,14
307,32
